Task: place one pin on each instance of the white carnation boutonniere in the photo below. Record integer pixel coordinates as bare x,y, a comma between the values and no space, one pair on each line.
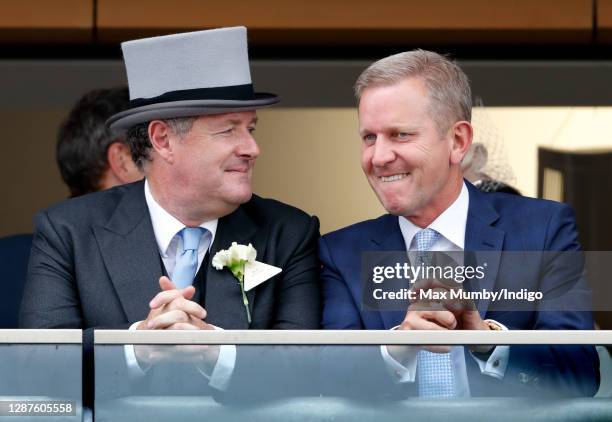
235,259
240,260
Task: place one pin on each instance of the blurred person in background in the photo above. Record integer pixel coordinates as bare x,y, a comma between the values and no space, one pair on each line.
90,158
473,166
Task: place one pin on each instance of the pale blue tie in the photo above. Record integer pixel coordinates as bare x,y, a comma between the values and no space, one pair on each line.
435,374
187,257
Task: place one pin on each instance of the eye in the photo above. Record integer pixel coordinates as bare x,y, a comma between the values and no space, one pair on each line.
251,130
404,136
369,138
226,132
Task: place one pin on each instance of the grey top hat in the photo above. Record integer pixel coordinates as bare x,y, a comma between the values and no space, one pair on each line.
189,74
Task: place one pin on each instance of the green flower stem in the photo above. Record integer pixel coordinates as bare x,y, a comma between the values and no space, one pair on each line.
244,298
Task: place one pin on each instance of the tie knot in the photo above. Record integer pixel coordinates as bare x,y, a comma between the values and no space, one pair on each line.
425,239
191,237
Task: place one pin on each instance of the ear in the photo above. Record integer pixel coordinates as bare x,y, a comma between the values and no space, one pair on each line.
160,136
120,163
462,134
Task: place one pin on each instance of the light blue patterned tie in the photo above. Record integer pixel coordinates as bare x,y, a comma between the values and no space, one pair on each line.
435,374
187,257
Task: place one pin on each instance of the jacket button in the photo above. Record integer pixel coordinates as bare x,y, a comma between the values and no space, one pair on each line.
495,363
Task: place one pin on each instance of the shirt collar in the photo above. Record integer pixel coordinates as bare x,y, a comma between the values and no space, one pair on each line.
166,226
451,223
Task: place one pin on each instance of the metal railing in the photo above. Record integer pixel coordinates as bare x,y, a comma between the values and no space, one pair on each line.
353,337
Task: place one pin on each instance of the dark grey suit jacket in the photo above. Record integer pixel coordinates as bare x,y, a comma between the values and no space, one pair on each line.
95,263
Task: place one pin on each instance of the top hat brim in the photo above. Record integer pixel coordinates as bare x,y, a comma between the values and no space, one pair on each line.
124,120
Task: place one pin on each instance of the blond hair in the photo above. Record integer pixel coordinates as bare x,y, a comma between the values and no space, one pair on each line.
448,87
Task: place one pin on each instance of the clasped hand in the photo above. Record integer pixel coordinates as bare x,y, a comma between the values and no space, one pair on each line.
446,313
173,309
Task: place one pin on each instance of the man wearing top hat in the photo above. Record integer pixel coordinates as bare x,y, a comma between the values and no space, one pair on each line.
140,255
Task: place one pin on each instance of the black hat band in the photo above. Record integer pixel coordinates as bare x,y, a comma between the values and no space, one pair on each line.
234,92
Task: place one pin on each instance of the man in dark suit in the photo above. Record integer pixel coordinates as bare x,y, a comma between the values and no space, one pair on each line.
414,121
139,256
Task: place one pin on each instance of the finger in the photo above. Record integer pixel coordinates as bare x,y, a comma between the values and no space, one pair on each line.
429,289
458,305
152,314
424,324
188,306
163,298
200,324
182,326
166,319
417,320
445,319
166,284
450,302
188,292
454,305
426,306
471,320
421,284
431,283
469,305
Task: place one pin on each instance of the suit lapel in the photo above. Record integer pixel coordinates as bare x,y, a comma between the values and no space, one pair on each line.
223,297
130,253
481,236
385,238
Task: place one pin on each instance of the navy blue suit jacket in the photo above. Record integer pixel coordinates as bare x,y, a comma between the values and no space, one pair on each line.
496,222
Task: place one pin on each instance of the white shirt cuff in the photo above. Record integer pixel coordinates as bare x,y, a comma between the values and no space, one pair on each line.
401,373
134,368
221,374
224,367
495,366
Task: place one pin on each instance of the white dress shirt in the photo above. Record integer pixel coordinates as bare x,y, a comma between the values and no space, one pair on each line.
166,229
451,225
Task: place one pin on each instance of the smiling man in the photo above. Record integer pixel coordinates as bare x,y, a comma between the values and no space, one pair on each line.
140,255
414,124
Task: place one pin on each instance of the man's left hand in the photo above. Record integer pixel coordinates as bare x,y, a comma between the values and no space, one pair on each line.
464,310
173,309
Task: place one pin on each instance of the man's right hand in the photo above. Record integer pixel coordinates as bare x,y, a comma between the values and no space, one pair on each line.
425,315
173,309
435,318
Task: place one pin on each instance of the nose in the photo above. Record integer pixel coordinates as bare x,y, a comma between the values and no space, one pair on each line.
248,147
383,152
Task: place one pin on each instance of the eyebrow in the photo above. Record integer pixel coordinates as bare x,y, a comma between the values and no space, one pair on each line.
409,129
238,122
